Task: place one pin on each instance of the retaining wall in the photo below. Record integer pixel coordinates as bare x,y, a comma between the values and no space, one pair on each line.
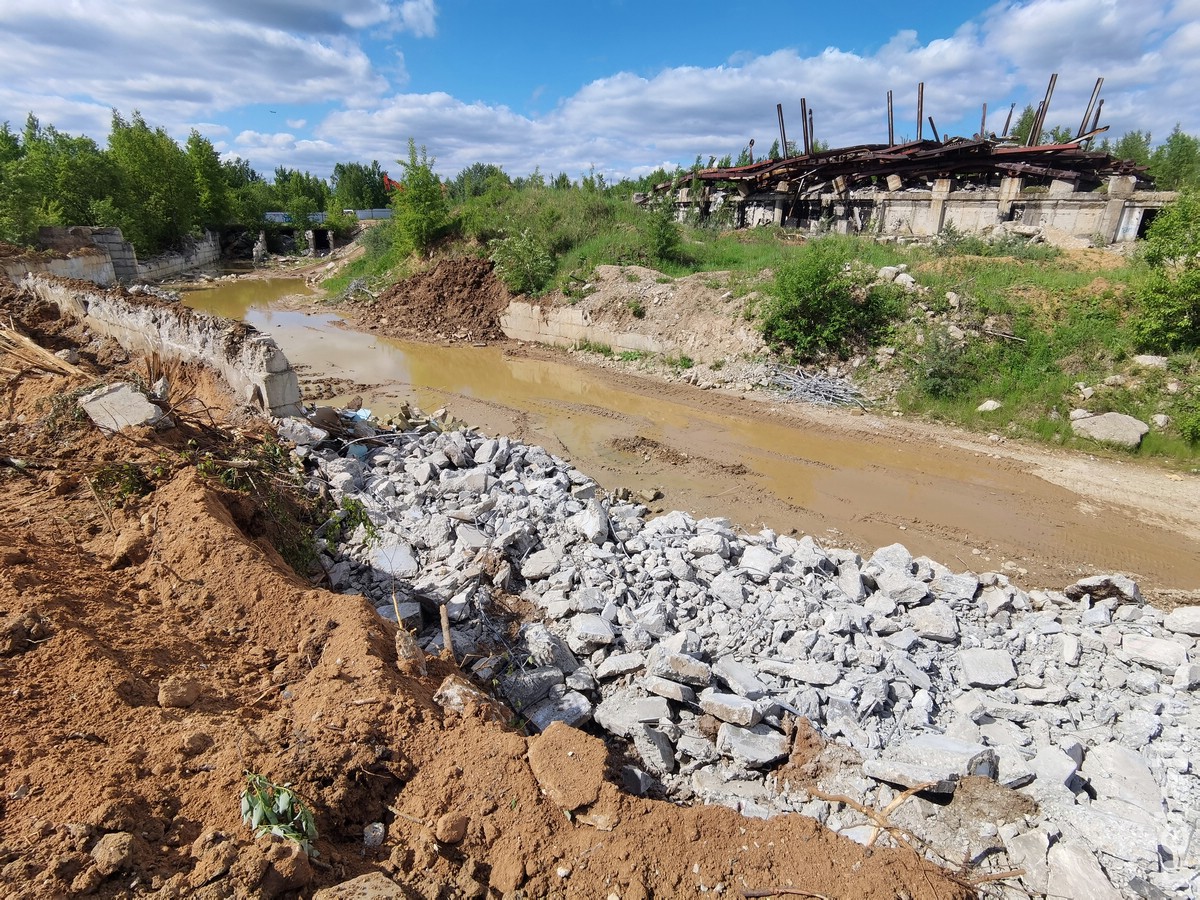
95,267
249,361
567,326
123,262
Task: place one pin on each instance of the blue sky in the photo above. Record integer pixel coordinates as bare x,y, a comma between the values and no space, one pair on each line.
614,85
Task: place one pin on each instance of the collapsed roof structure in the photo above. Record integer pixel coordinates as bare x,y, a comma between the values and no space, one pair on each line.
837,185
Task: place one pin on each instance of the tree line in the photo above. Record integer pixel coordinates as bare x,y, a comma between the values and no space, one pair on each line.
158,192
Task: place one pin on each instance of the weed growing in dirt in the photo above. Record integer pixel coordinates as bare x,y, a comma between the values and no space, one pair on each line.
595,347
63,412
680,362
270,808
522,262
635,306
117,482
632,355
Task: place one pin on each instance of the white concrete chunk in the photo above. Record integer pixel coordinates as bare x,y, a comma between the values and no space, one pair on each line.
986,668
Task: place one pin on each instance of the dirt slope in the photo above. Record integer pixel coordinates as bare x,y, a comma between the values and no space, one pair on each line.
155,647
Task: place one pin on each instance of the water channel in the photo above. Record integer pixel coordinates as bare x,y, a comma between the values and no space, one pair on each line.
858,483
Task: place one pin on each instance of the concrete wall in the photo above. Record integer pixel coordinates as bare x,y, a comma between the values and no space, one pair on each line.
95,267
123,262
566,326
249,361
1115,215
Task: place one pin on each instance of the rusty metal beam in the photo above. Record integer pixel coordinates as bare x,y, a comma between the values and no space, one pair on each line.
782,131
920,107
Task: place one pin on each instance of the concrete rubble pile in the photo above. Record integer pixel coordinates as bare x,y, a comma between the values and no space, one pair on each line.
700,648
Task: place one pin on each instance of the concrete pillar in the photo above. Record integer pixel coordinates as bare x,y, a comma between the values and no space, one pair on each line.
1010,190
937,203
1121,186
1110,222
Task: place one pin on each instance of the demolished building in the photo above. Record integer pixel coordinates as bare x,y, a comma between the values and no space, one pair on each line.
921,188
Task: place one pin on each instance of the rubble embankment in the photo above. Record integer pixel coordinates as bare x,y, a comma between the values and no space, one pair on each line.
1064,721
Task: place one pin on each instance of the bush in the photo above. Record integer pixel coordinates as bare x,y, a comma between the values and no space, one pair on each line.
944,370
819,304
1169,318
522,262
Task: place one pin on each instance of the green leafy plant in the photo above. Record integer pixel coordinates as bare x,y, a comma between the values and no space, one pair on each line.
820,303
522,262
636,307
270,808
680,362
594,347
355,515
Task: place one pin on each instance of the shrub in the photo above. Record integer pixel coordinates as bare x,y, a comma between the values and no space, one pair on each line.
818,304
944,370
1169,318
522,262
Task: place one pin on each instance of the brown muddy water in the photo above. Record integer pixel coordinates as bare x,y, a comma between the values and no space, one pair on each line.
1044,517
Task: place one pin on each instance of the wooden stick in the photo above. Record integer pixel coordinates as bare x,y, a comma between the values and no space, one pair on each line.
444,613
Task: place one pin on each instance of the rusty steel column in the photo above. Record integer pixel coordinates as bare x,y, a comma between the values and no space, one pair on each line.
782,130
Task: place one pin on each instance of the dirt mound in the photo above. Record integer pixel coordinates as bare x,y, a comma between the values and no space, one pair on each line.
456,300
155,647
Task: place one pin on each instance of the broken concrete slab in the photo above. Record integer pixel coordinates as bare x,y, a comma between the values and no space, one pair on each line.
986,668
755,747
935,758
118,406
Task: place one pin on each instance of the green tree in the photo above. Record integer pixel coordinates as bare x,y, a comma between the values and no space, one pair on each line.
1132,145
475,180
1024,125
213,201
561,182
420,212
1175,164
155,194
357,186
291,184
773,153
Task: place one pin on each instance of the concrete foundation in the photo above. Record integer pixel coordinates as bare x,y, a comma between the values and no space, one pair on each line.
249,361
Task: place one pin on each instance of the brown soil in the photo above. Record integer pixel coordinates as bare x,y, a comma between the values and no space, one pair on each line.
129,581
457,300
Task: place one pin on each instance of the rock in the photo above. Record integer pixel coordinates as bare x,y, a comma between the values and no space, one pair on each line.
654,749
1052,766
1028,851
730,708
988,406
410,658
672,690
301,433
287,869
523,689
754,747
118,406
396,559
933,758
572,708
1187,677
681,668
589,631
118,851
592,523
904,589
954,588
1157,653
1147,361
620,664
986,668
1075,873
1112,428
760,562
740,678
1118,773
1160,421
1183,620
1106,587
935,622
540,565
177,692
451,828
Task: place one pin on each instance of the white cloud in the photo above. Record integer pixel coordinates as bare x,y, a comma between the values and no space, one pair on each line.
212,57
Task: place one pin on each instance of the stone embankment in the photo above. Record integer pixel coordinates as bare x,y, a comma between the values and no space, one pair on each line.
1058,728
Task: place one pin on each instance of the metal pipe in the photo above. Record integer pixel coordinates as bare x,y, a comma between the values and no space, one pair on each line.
1096,121
782,130
983,124
891,123
1087,113
933,128
812,134
1033,126
920,108
1008,121
804,120
1045,110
